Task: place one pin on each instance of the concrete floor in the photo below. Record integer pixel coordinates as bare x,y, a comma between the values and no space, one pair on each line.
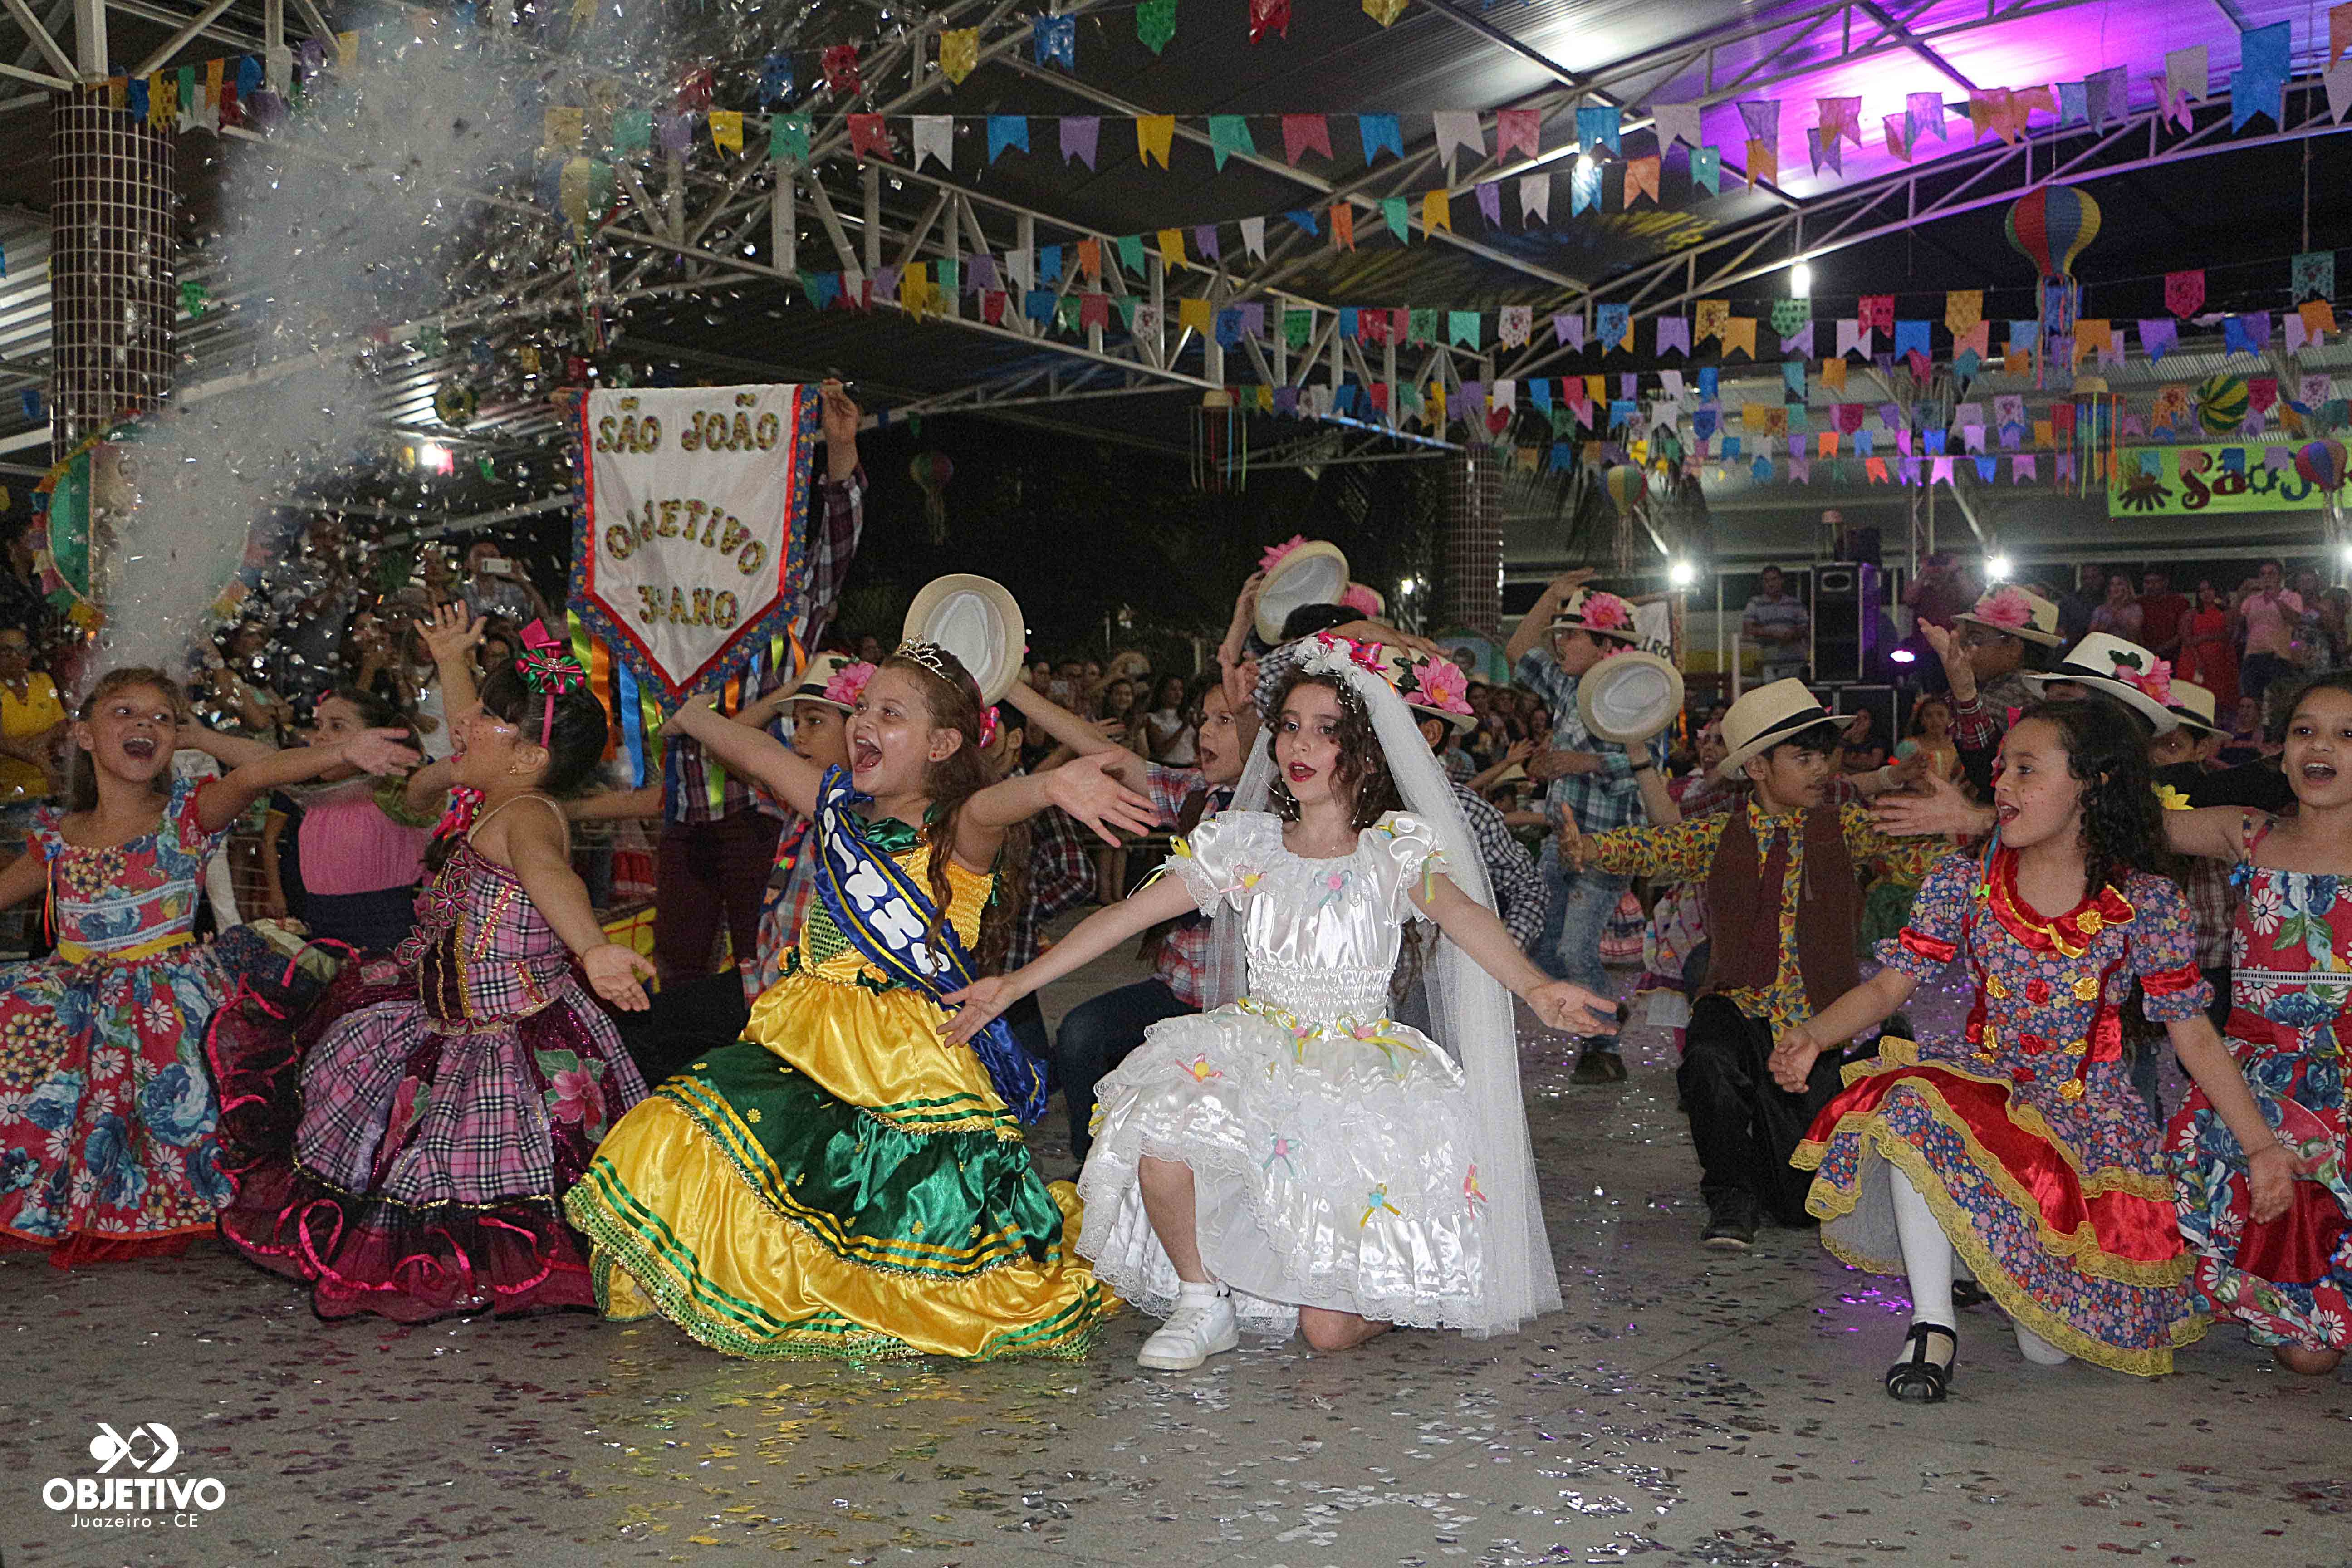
1687,1407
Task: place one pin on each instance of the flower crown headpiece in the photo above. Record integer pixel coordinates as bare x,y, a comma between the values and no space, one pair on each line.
549,671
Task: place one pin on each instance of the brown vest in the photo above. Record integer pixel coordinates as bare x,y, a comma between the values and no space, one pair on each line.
1744,916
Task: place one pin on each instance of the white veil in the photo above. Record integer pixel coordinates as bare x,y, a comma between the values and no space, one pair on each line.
1469,1010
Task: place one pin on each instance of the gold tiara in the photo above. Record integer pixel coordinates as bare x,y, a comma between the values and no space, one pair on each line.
929,655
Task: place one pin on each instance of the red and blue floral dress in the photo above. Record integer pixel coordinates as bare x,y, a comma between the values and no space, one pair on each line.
107,1115
2290,1282
2025,1135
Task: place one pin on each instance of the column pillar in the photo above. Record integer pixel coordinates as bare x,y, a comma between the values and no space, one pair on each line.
1473,544
113,279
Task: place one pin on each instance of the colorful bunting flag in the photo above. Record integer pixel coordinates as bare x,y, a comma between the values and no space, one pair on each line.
958,54
1304,133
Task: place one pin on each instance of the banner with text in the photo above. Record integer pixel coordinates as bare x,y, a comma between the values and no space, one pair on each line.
688,551
2191,481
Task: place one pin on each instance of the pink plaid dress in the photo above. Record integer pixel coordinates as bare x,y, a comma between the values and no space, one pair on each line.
404,1149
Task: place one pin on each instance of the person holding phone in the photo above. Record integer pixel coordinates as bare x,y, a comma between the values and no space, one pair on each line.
497,585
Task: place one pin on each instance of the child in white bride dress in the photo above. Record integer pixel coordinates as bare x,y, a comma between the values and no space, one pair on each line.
1294,1159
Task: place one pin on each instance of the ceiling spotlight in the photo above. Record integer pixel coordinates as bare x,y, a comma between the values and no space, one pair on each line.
433,457
1682,573
1801,281
1903,656
1998,567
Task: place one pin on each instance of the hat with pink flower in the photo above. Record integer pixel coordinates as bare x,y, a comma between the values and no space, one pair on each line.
1432,686
1600,613
834,679
2012,609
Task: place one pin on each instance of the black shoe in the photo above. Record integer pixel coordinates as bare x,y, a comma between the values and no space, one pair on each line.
1967,1293
1915,1379
1598,1064
1730,1227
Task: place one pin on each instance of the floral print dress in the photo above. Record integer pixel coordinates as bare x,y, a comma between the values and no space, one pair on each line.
106,1114
2025,1135
405,1149
2290,1282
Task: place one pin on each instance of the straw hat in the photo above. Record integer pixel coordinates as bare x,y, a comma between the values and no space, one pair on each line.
978,621
2019,613
1602,614
2193,706
834,679
2123,670
1766,717
1305,571
1629,697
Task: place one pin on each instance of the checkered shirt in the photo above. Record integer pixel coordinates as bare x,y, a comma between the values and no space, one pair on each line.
1518,890
1600,801
1189,963
1061,876
687,773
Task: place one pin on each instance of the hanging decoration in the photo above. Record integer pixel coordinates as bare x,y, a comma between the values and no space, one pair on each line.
2050,227
931,471
2222,404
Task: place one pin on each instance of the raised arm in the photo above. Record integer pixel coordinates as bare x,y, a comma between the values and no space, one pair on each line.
1162,900
223,801
1537,622
425,787
2210,832
534,844
1086,789
451,636
1475,929
229,750
1059,722
755,753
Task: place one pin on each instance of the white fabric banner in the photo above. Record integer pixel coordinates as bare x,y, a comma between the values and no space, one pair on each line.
697,510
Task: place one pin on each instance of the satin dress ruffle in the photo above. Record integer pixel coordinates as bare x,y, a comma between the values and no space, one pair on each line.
1330,1149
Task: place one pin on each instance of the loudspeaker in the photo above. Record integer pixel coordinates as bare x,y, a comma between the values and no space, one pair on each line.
1845,623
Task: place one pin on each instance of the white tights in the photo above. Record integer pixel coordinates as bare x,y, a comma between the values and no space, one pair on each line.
1928,1260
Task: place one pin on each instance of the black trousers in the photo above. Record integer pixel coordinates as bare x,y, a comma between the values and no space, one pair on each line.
1744,1125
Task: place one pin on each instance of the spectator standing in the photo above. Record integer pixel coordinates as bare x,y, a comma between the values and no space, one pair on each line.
2272,613
1942,591
2162,615
2075,609
1168,727
2208,647
1779,625
495,587
2119,615
32,722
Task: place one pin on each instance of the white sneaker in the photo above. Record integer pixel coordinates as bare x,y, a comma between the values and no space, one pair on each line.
1201,1327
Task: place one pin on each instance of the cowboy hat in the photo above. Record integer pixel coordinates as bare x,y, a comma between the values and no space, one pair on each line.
2018,612
1765,718
1602,614
1309,573
2193,706
978,621
834,679
2123,670
1629,697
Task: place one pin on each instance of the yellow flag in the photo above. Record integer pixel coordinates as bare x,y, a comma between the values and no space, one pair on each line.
1436,211
960,53
565,125
347,51
1154,135
727,129
1385,12
1172,246
1833,372
1712,314
1963,309
1192,315
162,101
1740,332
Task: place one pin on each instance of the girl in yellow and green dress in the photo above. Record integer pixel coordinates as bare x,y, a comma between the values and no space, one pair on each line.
842,1180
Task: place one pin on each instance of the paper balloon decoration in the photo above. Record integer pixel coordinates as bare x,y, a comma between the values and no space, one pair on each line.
1627,486
2050,227
2222,404
87,500
931,471
2321,464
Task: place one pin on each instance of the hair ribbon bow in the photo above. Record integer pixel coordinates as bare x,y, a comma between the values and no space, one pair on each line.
549,671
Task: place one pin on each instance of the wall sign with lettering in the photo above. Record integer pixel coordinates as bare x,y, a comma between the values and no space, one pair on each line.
2192,481
690,548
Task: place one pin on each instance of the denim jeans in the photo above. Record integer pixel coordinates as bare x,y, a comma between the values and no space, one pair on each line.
1578,908
1096,1036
